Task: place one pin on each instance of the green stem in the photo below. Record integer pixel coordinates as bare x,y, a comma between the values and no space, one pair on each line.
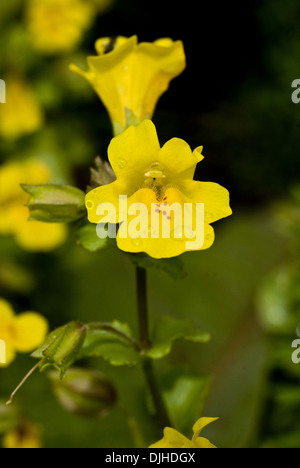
111,329
145,344
134,428
161,410
141,281
9,402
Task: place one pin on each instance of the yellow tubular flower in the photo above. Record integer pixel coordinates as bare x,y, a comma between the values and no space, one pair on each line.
22,113
28,436
157,177
20,333
57,26
130,77
173,438
30,235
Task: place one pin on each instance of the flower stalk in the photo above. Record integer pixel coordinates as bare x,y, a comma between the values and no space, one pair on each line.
145,343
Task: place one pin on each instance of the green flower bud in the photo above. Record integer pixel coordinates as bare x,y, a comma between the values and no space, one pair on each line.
55,203
102,174
84,392
61,347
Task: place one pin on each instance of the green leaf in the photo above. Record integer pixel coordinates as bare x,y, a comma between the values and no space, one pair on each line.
87,238
169,329
114,343
185,396
172,266
55,203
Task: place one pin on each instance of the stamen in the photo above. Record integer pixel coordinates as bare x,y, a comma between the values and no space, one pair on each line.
154,174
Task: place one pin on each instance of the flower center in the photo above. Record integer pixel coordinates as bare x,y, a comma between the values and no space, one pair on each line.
155,179
161,207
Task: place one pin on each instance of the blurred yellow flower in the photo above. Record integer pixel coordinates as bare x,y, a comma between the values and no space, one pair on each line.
30,235
20,333
57,26
157,177
22,113
173,438
27,436
130,77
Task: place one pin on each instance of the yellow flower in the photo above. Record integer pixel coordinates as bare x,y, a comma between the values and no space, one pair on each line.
173,438
20,333
27,436
130,77
157,178
22,113
57,26
30,235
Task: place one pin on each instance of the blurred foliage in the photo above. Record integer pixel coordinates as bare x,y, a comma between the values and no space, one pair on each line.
244,290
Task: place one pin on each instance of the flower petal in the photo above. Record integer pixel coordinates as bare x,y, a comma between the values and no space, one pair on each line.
132,152
152,231
155,248
178,160
10,356
164,248
198,427
168,55
6,329
172,439
36,236
110,76
201,424
106,61
6,311
29,117
200,442
214,196
106,194
153,67
131,77
30,330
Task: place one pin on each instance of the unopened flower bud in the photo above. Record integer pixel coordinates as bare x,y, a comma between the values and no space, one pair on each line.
55,203
84,392
62,347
